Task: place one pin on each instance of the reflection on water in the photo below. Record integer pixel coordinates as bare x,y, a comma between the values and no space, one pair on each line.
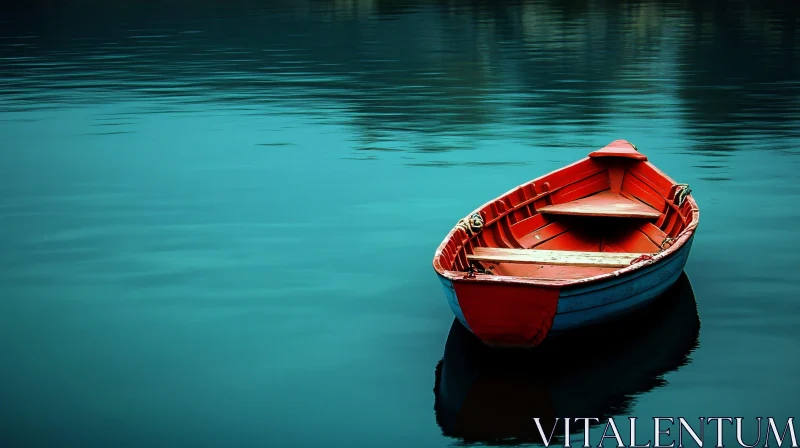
469,70
485,395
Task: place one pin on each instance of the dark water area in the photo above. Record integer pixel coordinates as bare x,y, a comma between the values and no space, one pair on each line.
217,219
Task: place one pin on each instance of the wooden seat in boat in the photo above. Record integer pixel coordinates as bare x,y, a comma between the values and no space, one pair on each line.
605,203
554,257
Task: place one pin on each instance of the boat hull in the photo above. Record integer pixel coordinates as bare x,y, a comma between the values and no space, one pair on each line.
514,315
484,395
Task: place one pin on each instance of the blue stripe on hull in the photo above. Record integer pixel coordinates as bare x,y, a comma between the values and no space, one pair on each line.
452,300
594,303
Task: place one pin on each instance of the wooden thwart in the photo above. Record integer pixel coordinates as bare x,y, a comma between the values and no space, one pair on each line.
605,203
554,257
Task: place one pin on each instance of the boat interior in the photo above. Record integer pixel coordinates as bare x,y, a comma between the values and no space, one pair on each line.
596,216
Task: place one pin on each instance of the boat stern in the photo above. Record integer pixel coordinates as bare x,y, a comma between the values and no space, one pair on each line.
503,314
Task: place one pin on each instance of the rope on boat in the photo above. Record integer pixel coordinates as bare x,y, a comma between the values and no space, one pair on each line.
472,270
680,198
666,244
684,191
472,224
641,258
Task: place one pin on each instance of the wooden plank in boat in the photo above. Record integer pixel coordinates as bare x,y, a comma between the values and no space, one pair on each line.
603,204
554,257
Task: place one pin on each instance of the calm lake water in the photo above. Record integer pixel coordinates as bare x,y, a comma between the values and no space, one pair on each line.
218,218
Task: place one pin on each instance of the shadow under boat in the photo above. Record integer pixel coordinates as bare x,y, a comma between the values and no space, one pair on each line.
486,395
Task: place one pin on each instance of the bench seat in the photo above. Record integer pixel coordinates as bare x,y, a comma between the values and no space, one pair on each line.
603,204
554,257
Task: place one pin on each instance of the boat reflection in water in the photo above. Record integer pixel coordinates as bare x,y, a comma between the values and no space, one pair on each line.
492,395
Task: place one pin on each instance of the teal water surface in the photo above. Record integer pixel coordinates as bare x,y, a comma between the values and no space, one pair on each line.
218,218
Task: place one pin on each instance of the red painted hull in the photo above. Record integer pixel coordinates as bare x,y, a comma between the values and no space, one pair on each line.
507,314
546,255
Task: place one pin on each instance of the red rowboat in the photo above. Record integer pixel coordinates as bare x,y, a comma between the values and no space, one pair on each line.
581,245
